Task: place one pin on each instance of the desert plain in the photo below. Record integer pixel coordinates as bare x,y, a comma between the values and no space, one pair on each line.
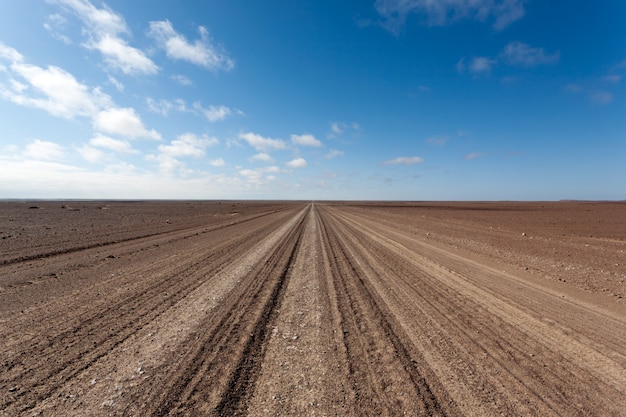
199,308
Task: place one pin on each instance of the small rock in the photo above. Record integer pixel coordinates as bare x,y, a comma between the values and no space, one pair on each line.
523,234
13,389
111,257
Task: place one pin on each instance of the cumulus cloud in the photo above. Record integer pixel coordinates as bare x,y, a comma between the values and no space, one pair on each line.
260,176
333,153
261,143
523,55
188,144
305,140
124,122
404,160
185,145
111,144
443,12
43,150
51,89
201,52
262,157
219,162
11,54
104,29
297,163
91,154
477,65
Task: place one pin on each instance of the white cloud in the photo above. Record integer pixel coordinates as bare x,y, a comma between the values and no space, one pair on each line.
305,140
54,90
185,145
43,150
333,153
481,64
201,52
442,12
214,113
404,160
523,55
260,176
55,23
10,54
163,107
219,162
181,79
115,145
124,122
103,28
261,143
47,179
261,157
473,155
297,163
188,144
91,154
116,83
118,54
339,128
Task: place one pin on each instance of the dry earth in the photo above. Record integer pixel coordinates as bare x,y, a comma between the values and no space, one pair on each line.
323,309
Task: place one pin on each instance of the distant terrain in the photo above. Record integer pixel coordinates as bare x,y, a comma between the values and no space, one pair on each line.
327,308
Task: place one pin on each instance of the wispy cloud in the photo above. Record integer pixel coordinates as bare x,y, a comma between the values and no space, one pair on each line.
181,79
473,155
515,54
262,144
305,140
104,29
404,160
215,113
333,153
601,97
438,13
523,55
438,140
202,52
338,129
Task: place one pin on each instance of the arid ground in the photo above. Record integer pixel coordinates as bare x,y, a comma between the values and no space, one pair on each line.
317,309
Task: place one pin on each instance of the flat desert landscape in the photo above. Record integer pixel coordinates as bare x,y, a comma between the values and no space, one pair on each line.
312,308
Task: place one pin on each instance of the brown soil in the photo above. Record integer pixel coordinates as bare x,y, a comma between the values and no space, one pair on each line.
279,308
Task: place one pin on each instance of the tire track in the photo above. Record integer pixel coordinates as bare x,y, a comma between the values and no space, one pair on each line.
94,333
494,332
386,377
218,368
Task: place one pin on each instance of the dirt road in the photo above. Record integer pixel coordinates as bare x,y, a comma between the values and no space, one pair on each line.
311,309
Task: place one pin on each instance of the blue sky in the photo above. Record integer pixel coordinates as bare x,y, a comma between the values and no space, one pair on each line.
284,99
